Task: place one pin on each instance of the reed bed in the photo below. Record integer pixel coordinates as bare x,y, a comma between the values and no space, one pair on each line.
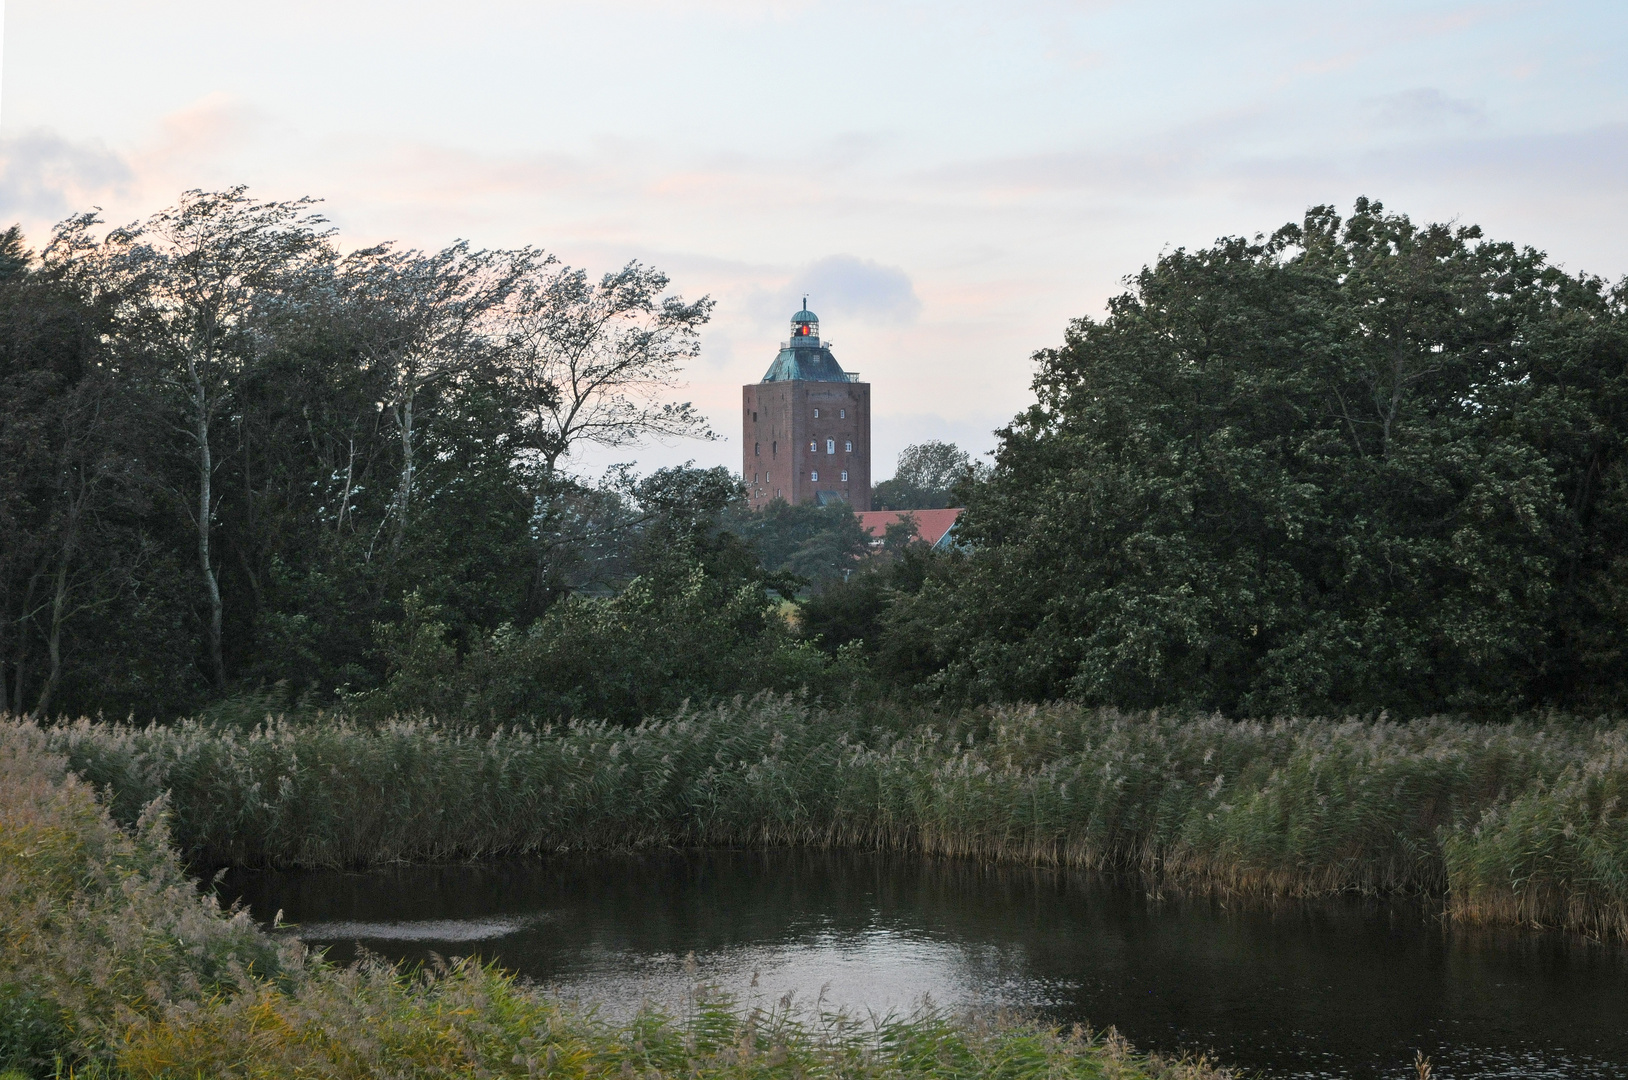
1521,822
114,965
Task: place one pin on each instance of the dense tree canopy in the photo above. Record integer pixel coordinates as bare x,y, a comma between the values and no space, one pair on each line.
1361,464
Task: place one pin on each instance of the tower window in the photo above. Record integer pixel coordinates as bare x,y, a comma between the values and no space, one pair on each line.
830,446
816,414
849,446
844,476
754,418
814,476
774,449
842,414
757,449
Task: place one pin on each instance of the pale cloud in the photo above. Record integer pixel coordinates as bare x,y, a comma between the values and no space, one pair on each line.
854,288
45,177
1425,106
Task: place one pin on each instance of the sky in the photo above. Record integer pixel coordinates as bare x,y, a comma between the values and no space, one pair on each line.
949,183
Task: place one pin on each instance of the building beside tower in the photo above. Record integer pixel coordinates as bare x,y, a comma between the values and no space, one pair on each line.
807,426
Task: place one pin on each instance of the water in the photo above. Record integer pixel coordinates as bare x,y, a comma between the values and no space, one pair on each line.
1347,989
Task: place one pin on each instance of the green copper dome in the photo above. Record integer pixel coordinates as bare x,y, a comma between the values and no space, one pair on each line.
804,358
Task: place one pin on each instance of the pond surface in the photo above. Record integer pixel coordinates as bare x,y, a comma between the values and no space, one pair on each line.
1347,989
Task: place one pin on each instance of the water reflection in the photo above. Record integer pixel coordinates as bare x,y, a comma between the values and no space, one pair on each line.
1329,990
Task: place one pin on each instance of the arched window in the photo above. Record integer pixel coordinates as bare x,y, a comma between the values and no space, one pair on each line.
813,447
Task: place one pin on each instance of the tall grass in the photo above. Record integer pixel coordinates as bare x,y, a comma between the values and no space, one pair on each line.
1517,822
112,964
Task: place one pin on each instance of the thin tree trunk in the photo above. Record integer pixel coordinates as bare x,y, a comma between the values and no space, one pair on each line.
53,640
5,663
404,491
20,664
344,500
206,465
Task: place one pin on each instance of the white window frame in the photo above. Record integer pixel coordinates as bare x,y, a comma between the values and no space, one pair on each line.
850,445
813,476
830,446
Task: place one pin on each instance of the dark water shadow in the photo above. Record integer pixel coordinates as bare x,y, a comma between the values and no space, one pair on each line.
1337,989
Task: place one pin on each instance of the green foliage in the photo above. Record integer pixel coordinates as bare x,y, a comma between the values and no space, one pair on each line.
1356,466
698,622
927,477
1518,820
819,544
855,612
113,965
1552,855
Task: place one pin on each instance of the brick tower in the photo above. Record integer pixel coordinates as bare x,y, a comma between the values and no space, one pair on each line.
807,426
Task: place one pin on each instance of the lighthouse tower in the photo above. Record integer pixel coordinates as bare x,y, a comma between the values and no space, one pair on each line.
807,426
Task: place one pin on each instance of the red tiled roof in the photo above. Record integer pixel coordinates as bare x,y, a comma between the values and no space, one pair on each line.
931,525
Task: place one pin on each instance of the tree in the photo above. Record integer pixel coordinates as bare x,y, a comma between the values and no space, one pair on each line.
819,544
75,448
592,363
926,477
420,320
1303,473
194,278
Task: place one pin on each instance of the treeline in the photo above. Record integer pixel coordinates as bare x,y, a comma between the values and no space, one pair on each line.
1358,465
